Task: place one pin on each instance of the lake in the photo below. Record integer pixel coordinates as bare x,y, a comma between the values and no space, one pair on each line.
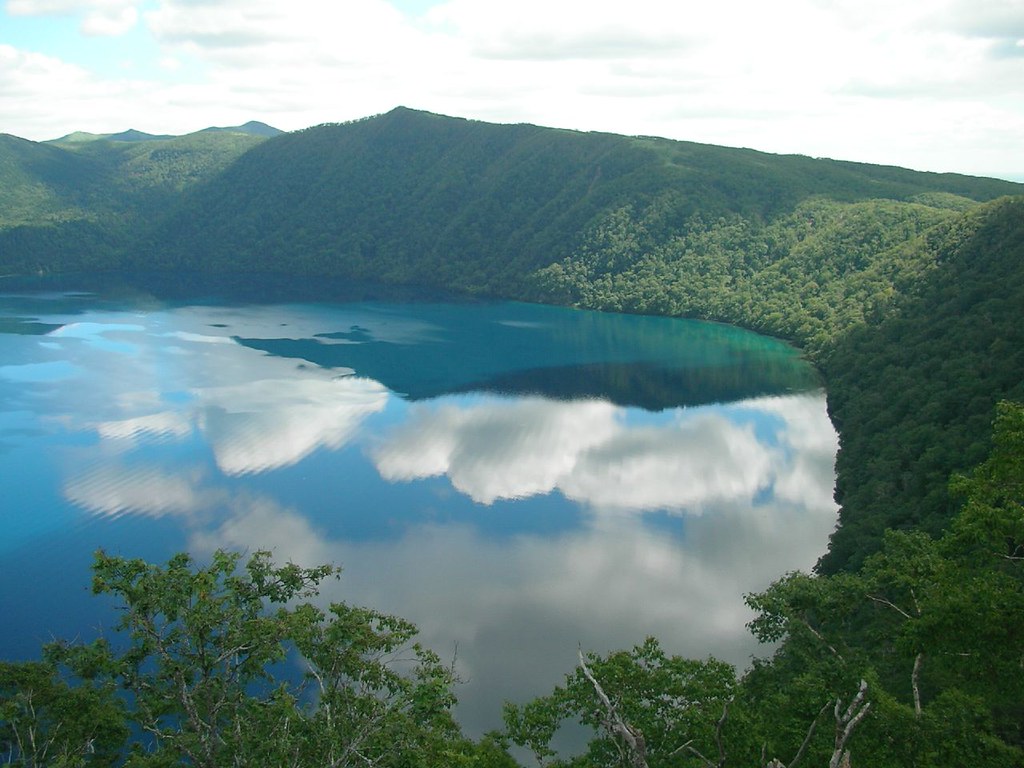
518,480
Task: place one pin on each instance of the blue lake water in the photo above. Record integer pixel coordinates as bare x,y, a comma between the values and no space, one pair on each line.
518,480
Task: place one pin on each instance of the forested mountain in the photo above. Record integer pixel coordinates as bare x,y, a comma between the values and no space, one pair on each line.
415,197
913,394
905,288
84,197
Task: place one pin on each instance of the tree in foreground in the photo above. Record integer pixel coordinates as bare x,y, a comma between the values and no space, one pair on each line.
46,721
648,709
228,666
913,661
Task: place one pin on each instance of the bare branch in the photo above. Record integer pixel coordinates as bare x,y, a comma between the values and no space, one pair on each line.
891,604
917,605
914,680
695,752
613,721
821,637
687,747
807,738
718,733
677,750
847,722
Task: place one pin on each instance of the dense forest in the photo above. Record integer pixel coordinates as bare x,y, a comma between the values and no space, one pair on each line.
906,289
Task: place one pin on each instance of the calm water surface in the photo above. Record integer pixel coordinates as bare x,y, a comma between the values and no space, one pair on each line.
516,479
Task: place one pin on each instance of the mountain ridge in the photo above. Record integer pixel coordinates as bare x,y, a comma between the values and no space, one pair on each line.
252,127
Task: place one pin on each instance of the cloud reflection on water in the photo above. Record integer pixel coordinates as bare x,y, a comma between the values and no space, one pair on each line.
256,412
682,511
115,488
679,528
271,423
494,448
516,608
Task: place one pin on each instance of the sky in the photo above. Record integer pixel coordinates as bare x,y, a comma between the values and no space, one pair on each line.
934,85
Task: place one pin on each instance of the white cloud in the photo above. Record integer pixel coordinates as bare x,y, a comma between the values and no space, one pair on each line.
516,609
172,424
260,425
24,72
100,18
548,31
993,19
358,33
929,85
811,444
110,22
258,523
47,7
37,89
257,412
686,465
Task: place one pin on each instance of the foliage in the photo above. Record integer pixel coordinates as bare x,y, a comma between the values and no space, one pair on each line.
809,275
931,626
51,193
45,720
912,394
935,622
673,701
208,669
419,198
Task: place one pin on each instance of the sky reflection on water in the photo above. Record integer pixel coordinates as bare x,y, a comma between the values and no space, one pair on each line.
511,526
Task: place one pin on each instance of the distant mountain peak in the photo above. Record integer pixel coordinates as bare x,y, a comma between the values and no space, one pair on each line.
133,135
253,127
79,137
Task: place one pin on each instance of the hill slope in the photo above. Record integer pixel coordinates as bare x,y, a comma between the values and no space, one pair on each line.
77,202
914,394
415,197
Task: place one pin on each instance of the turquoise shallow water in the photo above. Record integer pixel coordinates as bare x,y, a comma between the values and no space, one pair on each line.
516,479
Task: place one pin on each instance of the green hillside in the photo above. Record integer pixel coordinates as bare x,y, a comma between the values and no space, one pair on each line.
42,184
79,201
913,394
415,197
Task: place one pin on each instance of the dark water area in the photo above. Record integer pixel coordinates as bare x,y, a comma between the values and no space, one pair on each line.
518,480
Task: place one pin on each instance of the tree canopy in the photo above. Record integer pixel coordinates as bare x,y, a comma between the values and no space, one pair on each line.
226,664
913,660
